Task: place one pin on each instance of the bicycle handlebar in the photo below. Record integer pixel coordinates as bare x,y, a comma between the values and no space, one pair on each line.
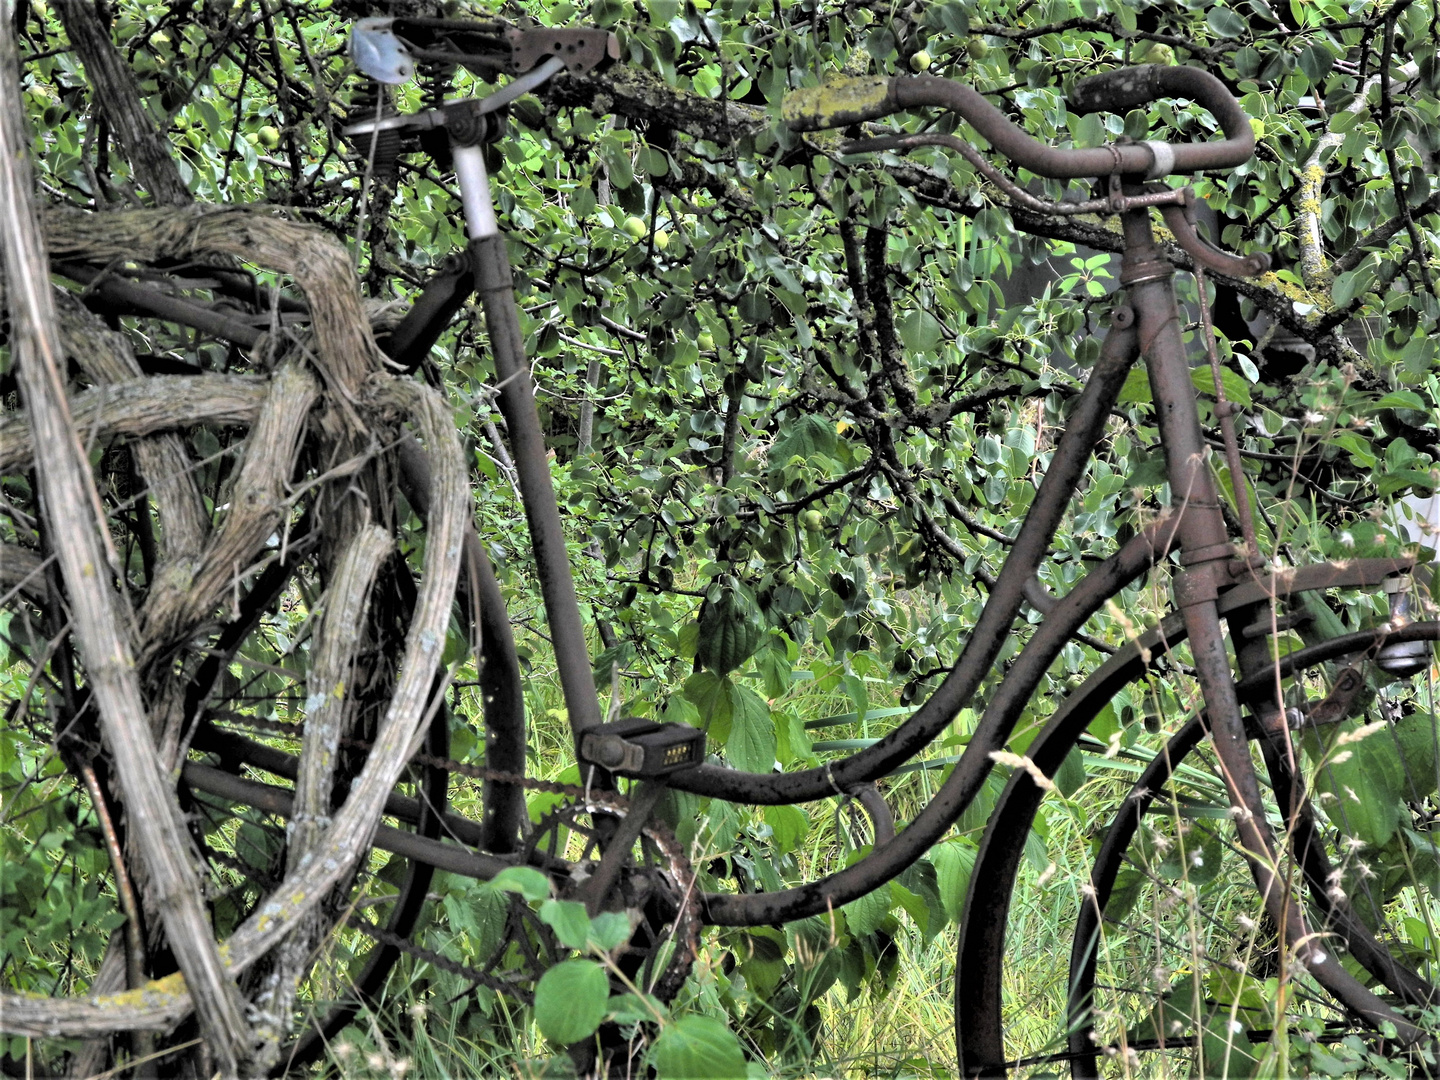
850,101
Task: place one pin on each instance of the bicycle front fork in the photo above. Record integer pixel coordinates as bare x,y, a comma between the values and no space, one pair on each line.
1211,563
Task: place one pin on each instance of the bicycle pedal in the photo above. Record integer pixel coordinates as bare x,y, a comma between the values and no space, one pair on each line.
643,748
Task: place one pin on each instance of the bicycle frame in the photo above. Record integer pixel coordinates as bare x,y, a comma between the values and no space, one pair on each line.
1146,324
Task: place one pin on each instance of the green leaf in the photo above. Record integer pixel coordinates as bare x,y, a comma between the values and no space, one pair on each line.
788,826
697,1047
1233,383
953,862
1351,284
1400,399
731,629
1136,390
609,930
712,696
1362,784
775,670
631,1009
920,331
865,914
751,745
525,880
569,921
912,904
804,437
1225,22
1316,61
570,1001
1070,777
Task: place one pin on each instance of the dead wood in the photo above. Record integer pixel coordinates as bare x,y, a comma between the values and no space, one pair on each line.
343,344
73,510
143,406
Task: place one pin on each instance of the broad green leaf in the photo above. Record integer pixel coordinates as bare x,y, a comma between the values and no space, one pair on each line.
630,1009
1234,384
751,744
1401,399
1225,22
912,904
697,1047
1070,777
525,880
1316,61
788,826
1351,284
569,921
775,671
953,861
712,696
865,914
920,331
609,930
731,629
1362,784
1136,390
804,436
570,1001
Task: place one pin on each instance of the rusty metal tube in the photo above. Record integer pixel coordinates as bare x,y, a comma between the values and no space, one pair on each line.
845,102
1067,466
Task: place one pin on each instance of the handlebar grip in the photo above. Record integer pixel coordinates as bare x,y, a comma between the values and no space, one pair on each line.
840,103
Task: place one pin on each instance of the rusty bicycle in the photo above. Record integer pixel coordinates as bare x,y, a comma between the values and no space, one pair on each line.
1223,758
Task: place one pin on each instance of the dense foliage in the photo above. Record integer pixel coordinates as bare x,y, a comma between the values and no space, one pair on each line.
798,405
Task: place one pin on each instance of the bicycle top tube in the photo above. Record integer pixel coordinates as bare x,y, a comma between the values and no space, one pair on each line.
850,101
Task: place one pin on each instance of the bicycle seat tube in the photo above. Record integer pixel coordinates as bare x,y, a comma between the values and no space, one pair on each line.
527,440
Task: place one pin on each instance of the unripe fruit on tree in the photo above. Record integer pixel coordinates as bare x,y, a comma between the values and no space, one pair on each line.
662,239
270,136
812,520
976,48
920,61
252,138
706,341
635,227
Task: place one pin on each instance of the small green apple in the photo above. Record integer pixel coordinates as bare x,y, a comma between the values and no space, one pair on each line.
977,48
812,521
662,239
706,341
635,227
920,61
270,136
